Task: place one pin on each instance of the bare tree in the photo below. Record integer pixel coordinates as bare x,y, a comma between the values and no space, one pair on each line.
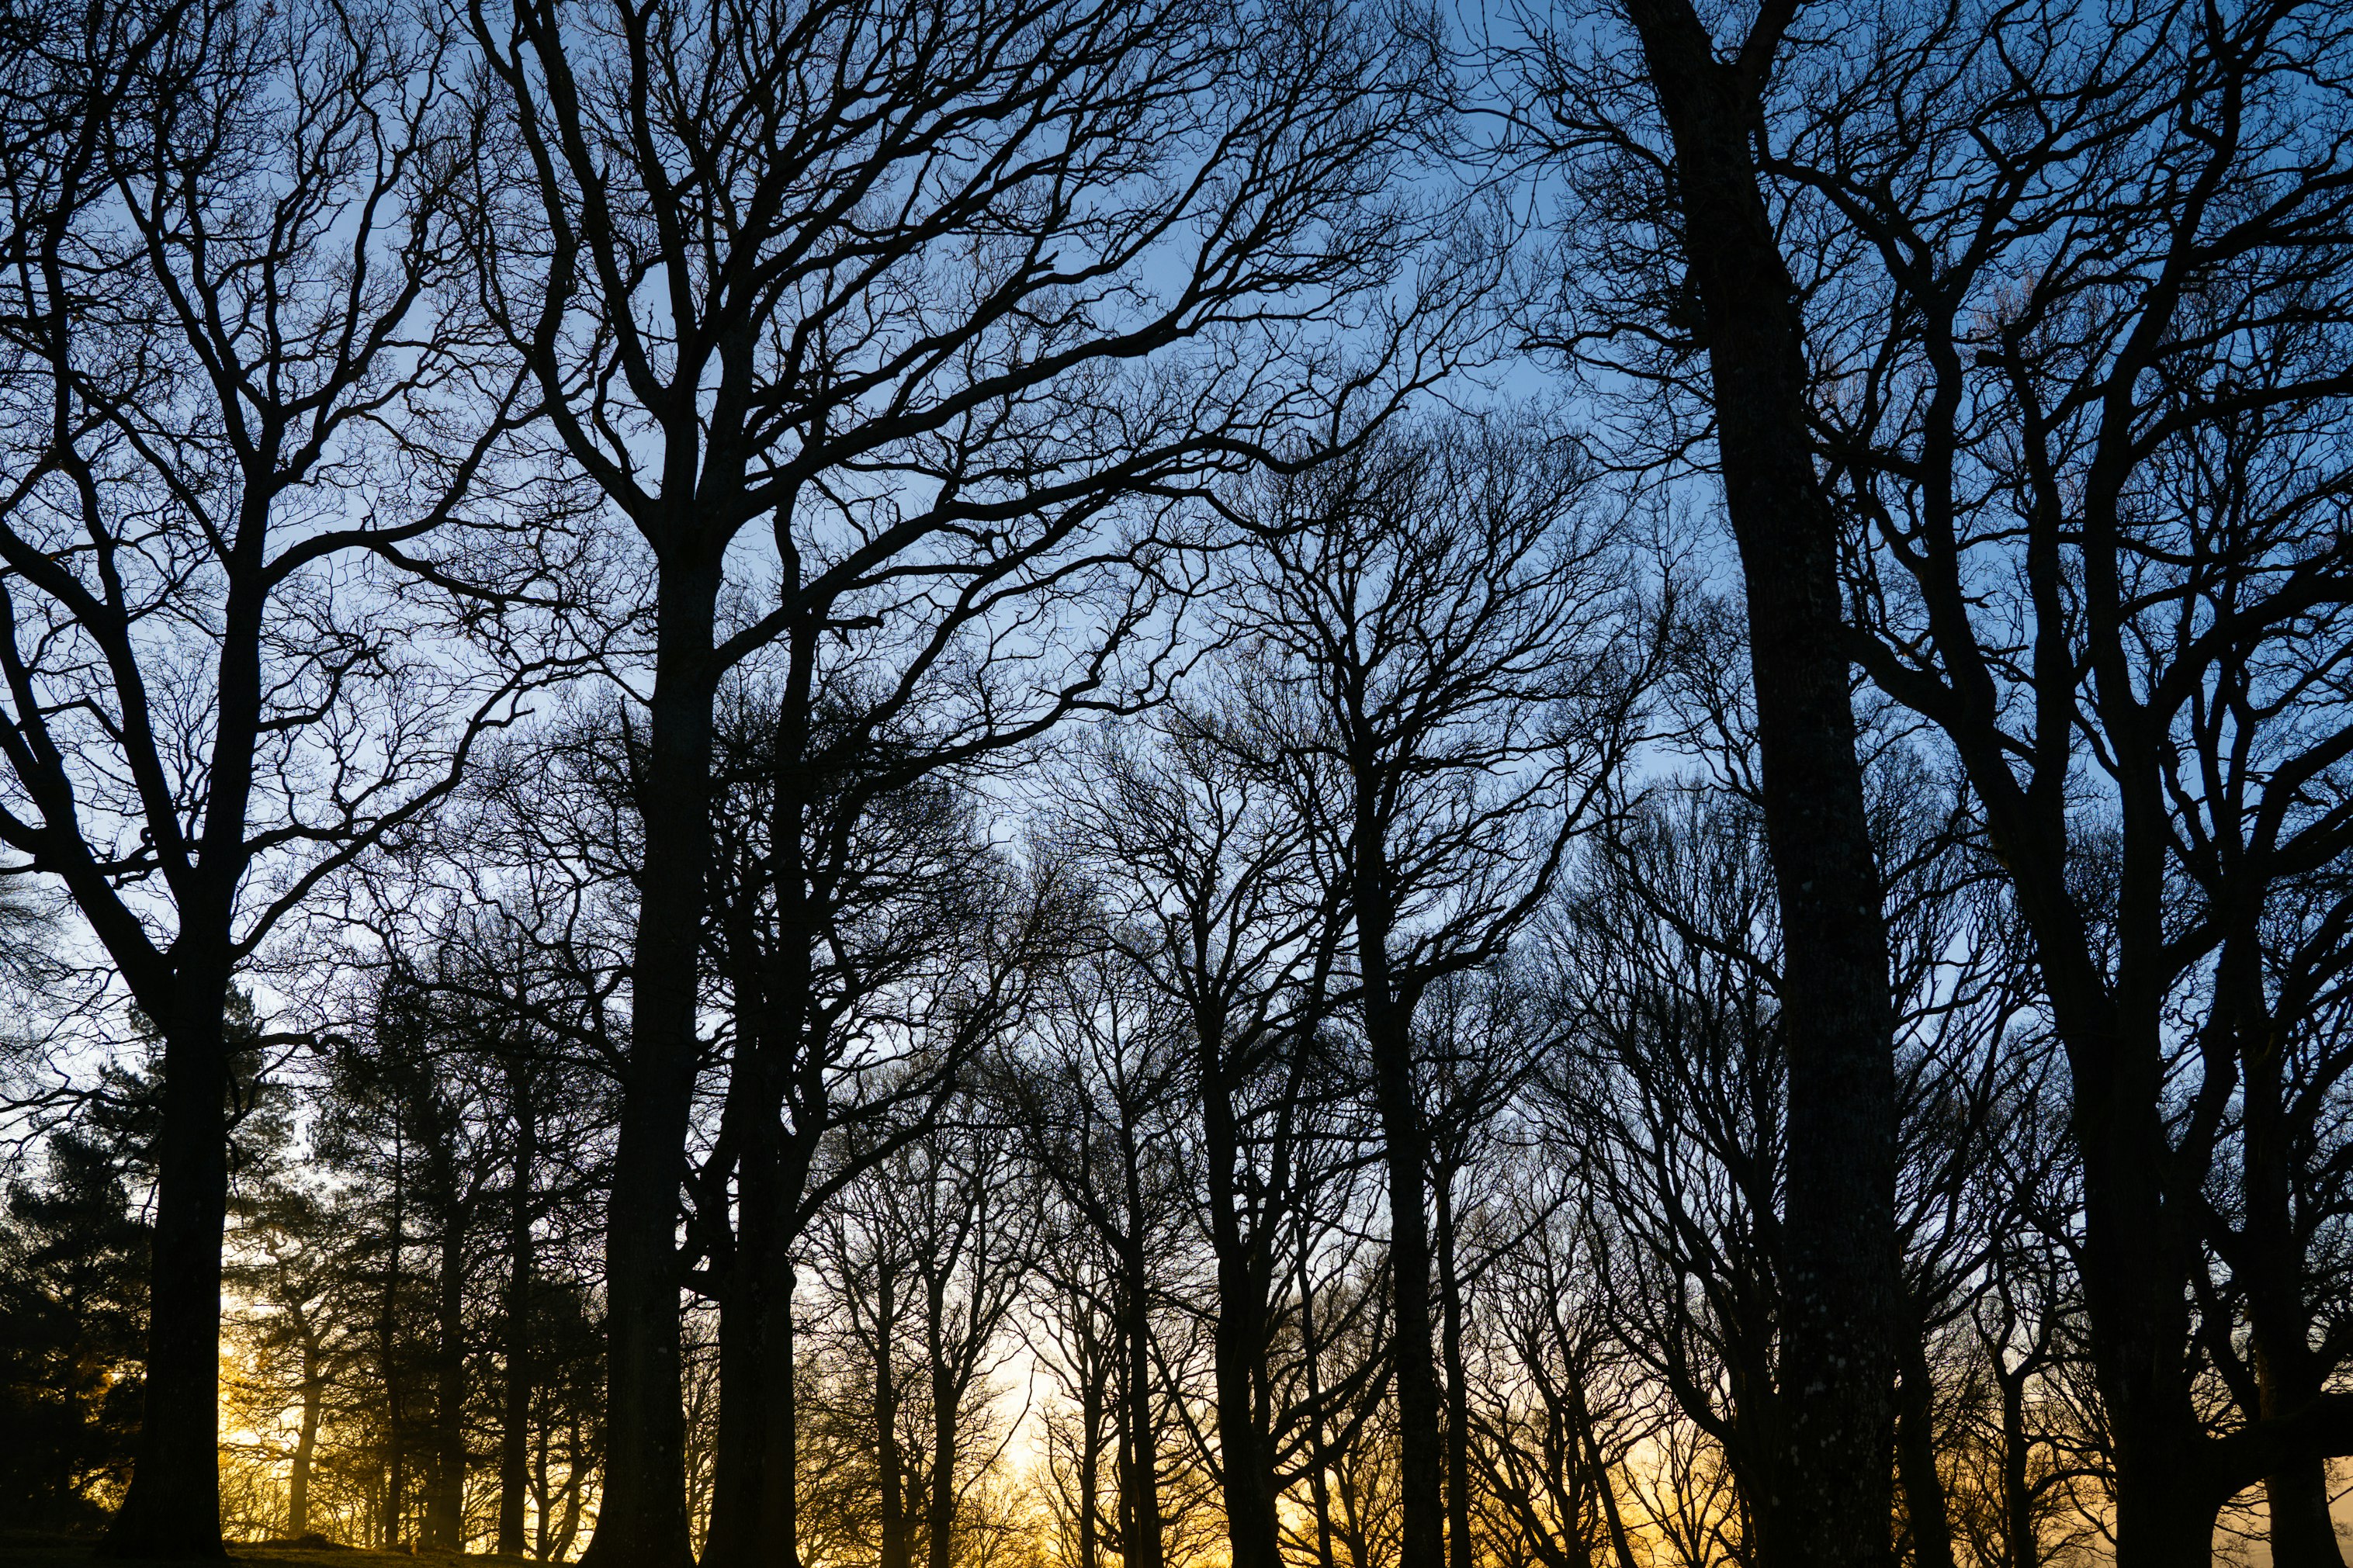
1447,642
1185,836
236,398
1665,128
2085,354
920,291
1101,1109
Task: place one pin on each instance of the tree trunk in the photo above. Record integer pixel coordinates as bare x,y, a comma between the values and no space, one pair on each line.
1589,1441
173,1507
306,1441
1093,1375
780,1464
1462,1553
445,1506
641,1520
515,1434
396,1423
1142,1482
1319,1489
1405,1159
1916,1456
946,1409
2134,1273
895,1552
1239,1336
2287,1373
576,1461
754,1510
740,1453
1840,1296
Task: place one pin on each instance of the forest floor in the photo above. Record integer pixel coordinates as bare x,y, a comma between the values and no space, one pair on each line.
46,1551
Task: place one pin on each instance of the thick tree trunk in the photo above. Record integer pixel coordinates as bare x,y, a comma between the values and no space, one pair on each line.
2164,1509
173,1507
740,1453
780,1463
2135,1273
2287,1372
1840,1298
1405,1159
2302,1533
755,1510
641,1517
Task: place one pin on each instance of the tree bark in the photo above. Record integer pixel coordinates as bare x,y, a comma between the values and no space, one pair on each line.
780,1464
445,1506
173,1507
738,1481
1247,1470
1836,1019
1405,1159
641,1520
755,1510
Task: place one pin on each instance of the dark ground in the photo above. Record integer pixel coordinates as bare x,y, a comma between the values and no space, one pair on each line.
35,1549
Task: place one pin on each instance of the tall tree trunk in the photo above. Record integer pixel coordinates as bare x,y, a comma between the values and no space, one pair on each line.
173,1507
641,1517
780,1464
744,1321
1240,1334
1925,1506
895,1552
1141,1484
1589,1441
1388,1035
1840,1296
754,1512
1463,1552
1095,1373
387,1350
514,1432
1319,1487
306,1440
445,1506
2287,1372
946,1410
2134,1271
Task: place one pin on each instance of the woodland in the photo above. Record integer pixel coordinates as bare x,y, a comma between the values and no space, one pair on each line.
1178,783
